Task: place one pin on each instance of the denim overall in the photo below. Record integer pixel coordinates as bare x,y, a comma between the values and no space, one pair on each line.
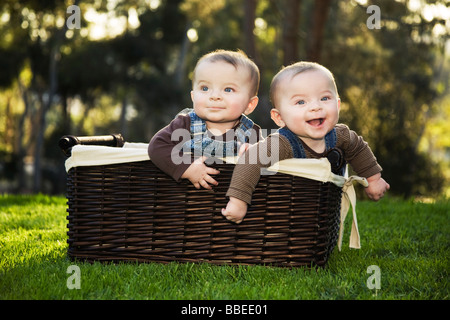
333,154
202,144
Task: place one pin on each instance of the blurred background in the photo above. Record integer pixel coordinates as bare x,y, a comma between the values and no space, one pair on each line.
124,66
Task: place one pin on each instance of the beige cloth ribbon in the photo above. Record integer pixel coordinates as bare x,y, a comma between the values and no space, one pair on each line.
349,198
320,170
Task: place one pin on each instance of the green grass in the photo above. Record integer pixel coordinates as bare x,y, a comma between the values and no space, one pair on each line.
408,241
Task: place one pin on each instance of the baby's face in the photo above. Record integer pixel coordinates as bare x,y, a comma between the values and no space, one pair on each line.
308,105
221,93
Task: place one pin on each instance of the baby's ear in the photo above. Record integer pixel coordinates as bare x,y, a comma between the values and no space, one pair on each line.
251,105
276,117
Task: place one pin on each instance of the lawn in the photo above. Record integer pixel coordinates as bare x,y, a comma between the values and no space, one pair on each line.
407,241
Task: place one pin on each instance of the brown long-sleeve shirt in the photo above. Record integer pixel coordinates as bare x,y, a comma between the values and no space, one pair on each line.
163,150
276,147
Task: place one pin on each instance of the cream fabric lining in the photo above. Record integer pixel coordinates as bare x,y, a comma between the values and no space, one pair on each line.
315,169
86,155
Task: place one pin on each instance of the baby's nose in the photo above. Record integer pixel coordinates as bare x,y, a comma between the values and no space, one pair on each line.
315,106
215,95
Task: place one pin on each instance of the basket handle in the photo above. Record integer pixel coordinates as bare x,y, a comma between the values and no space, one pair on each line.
68,141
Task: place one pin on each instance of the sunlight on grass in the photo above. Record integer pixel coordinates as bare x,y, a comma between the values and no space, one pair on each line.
408,240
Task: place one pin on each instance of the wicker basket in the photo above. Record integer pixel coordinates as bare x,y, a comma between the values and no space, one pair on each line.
135,212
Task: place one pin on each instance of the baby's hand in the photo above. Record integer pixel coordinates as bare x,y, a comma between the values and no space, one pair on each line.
377,187
199,174
243,148
236,210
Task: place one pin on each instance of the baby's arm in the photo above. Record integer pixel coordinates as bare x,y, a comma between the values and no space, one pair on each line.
236,210
247,173
363,161
377,187
165,152
199,174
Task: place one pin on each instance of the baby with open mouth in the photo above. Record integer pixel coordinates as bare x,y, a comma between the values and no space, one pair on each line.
306,108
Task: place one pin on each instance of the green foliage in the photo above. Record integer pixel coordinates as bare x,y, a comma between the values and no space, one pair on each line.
393,81
387,80
407,240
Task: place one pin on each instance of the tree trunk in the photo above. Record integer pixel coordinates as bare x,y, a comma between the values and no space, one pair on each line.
21,150
249,25
291,31
123,125
45,106
315,35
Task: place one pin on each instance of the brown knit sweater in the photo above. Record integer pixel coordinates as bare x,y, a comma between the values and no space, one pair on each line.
276,148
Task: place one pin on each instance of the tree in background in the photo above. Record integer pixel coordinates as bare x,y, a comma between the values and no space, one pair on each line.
389,78
393,81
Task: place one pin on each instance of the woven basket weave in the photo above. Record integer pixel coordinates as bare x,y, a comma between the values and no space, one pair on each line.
134,212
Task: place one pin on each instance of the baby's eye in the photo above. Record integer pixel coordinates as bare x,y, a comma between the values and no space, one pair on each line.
301,102
325,99
204,88
229,90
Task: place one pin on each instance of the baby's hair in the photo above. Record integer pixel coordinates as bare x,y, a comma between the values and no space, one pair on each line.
235,58
293,70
